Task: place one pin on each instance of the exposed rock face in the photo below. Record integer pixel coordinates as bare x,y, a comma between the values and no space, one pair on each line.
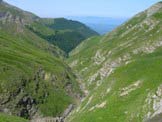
157,118
24,105
154,9
67,111
156,100
8,17
27,106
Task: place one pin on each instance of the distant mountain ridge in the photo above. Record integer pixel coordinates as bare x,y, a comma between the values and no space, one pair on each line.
102,25
66,34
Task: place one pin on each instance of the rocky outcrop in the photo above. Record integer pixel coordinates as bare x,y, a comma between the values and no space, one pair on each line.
157,118
24,103
67,111
20,102
154,9
27,107
7,17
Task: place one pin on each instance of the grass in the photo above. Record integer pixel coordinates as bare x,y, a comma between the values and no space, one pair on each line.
22,58
8,118
117,48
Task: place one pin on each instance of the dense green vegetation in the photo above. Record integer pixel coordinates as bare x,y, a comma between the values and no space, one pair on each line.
66,34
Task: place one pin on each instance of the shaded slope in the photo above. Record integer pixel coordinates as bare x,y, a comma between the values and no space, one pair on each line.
67,33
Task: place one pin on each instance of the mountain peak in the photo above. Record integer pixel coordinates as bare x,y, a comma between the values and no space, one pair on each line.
153,9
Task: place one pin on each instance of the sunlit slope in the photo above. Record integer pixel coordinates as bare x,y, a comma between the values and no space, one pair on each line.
121,72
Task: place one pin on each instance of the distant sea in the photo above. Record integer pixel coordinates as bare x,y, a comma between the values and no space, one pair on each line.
101,25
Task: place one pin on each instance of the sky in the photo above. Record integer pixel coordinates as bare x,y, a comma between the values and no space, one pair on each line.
98,8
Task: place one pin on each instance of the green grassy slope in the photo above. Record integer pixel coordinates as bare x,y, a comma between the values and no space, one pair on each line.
121,72
34,79
8,118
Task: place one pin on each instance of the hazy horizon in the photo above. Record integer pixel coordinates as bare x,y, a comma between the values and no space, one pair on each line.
100,15
84,8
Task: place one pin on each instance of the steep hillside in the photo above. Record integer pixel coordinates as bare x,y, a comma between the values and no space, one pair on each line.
120,72
34,80
66,34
